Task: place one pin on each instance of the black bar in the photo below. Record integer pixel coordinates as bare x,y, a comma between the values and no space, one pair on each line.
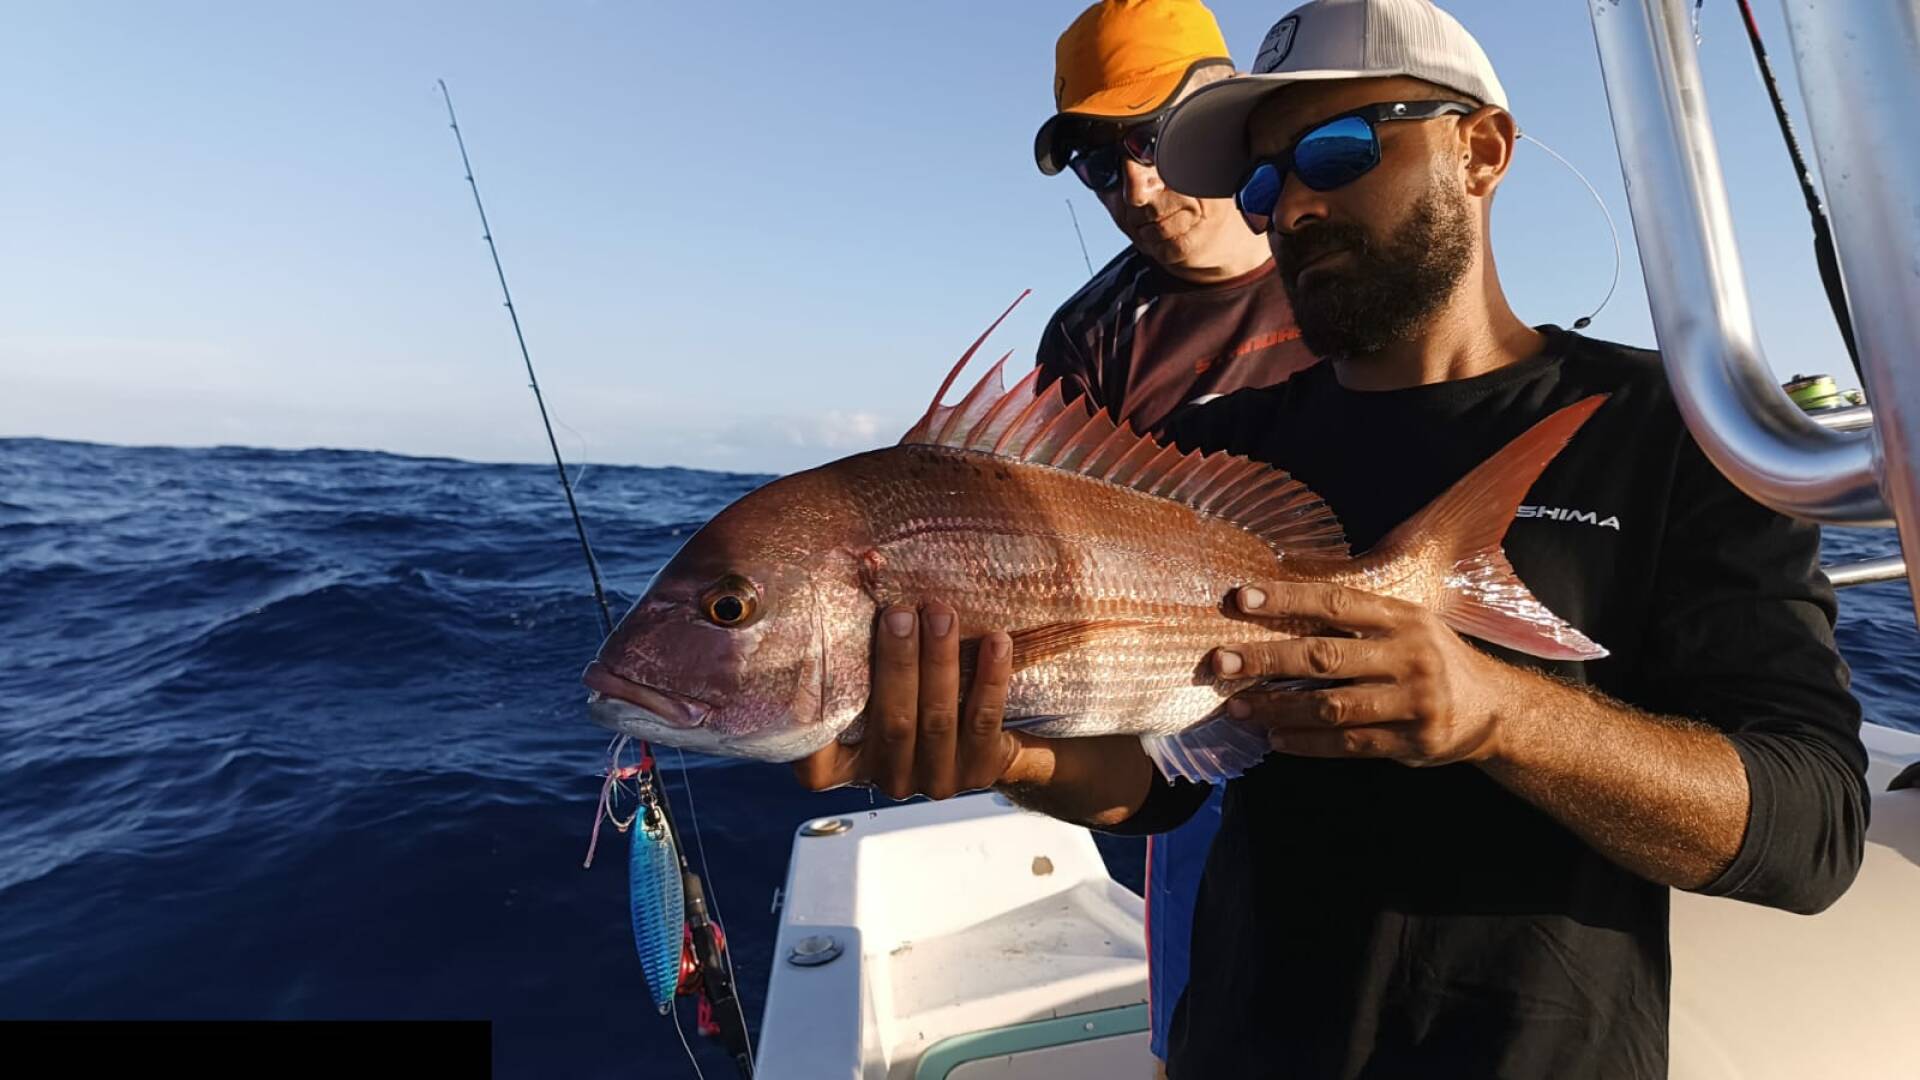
251,1048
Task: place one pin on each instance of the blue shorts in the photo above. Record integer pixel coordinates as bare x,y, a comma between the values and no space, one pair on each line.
1174,862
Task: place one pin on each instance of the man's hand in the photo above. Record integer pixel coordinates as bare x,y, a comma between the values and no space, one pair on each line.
1414,690
920,738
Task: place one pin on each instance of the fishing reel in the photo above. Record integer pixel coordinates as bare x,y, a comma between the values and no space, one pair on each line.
694,967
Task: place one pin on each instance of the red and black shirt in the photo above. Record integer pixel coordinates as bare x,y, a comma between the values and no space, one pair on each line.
1144,343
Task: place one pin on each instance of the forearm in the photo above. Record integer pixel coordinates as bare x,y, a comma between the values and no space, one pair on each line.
1663,797
1094,782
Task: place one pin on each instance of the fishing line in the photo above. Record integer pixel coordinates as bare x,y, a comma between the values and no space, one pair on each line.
1083,240
1586,321
580,477
684,1045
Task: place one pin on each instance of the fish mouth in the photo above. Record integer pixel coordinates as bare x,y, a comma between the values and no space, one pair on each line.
674,710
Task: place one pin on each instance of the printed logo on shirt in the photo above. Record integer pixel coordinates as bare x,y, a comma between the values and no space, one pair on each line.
1557,513
1251,345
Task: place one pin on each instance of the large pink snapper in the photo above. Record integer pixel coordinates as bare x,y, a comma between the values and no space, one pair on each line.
1108,557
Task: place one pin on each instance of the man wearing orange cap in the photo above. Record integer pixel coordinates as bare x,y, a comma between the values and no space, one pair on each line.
1190,309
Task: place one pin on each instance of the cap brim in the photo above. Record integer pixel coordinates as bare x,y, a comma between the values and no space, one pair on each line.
1203,148
1136,100
1048,153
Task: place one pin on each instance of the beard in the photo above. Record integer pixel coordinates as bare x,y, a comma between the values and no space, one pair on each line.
1389,289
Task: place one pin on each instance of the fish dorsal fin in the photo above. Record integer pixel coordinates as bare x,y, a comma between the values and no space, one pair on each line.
937,414
959,419
1044,427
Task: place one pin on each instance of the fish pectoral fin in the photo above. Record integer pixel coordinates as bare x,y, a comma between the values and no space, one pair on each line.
1038,643
1208,752
1031,723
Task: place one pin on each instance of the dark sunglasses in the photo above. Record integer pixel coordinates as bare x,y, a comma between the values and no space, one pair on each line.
1099,167
1332,154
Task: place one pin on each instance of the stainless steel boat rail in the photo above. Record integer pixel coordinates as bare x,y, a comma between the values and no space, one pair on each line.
1848,418
1859,65
1867,571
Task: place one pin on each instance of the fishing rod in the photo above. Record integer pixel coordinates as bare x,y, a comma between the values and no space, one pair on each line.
533,381
704,967
1082,239
1824,254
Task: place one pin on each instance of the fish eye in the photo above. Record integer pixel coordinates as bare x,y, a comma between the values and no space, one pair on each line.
732,602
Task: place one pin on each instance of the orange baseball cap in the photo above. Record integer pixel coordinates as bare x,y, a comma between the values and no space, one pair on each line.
1125,60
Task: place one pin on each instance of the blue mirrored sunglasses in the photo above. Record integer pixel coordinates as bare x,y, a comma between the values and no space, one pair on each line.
1332,154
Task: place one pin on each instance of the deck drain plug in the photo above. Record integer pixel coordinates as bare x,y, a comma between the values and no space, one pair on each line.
813,951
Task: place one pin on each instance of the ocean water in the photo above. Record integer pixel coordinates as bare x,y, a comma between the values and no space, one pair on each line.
300,735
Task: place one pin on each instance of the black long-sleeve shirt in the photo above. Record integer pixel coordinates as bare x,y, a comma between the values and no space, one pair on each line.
1364,919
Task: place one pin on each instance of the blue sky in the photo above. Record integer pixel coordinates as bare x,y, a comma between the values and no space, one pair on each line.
742,236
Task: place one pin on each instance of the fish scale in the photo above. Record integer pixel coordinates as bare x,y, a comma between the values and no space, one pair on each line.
1025,543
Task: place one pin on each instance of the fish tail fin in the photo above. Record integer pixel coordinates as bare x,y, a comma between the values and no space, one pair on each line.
1484,598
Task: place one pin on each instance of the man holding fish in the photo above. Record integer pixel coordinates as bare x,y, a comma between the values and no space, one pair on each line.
1437,857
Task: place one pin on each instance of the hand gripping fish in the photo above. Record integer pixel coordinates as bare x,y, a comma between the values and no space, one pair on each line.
1108,557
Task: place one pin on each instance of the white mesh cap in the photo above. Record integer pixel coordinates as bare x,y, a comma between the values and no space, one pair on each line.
1203,148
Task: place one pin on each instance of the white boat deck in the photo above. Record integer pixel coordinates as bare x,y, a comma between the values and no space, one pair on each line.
952,918
1760,994
980,942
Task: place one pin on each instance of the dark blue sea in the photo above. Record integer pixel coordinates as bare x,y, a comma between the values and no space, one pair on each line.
301,735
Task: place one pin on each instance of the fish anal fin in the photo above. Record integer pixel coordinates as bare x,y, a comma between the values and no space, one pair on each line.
1213,750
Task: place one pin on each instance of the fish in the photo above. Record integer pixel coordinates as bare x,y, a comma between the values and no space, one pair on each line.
1109,558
